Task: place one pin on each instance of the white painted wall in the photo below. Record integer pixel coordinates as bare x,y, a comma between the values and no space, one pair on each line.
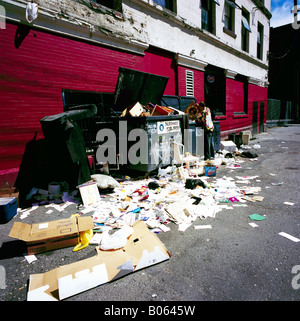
220,49
144,23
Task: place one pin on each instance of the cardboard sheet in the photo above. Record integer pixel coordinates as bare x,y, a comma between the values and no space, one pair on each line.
51,235
142,249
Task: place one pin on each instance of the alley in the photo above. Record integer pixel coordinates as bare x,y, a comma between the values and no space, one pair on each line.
231,261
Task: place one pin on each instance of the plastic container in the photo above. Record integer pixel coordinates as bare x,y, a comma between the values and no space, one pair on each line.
8,208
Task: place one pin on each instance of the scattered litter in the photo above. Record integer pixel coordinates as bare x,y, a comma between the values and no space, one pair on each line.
183,226
116,240
85,237
290,237
253,224
201,227
89,193
27,212
257,217
142,249
277,184
118,207
271,174
257,198
288,203
30,258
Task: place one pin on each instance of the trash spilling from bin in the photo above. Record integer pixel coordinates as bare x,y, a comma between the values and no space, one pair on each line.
121,216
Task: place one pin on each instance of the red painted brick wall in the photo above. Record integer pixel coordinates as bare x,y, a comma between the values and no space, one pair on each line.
159,62
198,83
33,75
232,122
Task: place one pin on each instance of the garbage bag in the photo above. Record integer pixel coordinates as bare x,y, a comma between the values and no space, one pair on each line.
116,240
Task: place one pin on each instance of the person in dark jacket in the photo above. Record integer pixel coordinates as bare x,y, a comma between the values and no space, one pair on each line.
205,121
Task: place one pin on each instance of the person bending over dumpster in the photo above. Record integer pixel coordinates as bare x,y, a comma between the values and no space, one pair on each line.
204,120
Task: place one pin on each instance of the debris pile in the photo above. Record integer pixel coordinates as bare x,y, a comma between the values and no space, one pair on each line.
121,217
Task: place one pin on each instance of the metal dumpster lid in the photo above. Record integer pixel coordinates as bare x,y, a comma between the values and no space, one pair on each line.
137,86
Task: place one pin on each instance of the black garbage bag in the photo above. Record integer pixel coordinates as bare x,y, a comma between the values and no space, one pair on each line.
66,147
248,154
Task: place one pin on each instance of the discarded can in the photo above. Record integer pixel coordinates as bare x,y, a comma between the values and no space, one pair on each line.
210,170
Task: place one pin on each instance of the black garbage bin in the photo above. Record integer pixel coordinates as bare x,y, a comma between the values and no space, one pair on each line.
67,157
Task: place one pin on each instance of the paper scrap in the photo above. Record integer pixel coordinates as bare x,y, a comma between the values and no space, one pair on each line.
30,258
257,217
253,224
288,203
257,198
96,239
292,238
201,227
183,226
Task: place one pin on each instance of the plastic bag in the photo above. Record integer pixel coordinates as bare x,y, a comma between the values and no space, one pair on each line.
116,240
85,238
31,11
105,181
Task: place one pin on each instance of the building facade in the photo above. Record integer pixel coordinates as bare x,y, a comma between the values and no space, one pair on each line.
284,75
213,50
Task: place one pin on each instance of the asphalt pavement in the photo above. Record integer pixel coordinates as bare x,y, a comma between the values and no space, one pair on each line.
232,261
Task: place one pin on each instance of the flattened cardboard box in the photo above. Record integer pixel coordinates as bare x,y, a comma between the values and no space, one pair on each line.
142,249
51,235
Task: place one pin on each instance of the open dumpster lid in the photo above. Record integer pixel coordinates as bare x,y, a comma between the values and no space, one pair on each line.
137,86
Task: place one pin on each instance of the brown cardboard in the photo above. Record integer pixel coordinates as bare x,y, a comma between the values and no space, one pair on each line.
51,235
142,249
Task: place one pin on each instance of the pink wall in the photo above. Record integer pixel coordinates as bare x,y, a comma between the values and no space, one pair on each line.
198,83
33,75
232,122
159,62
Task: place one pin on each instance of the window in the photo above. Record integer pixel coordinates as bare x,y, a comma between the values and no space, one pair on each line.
260,38
112,4
189,78
229,15
245,30
242,95
208,14
215,89
169,4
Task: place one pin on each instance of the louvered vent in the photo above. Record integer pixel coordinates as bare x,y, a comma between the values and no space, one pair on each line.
189,78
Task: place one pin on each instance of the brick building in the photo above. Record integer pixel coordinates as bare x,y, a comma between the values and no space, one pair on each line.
214,50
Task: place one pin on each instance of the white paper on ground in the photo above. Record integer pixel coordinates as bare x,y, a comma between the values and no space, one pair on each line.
253,224
292,238
288,203
200,227
30,258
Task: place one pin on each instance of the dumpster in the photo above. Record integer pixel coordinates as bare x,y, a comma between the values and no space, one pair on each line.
67,157
143,143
